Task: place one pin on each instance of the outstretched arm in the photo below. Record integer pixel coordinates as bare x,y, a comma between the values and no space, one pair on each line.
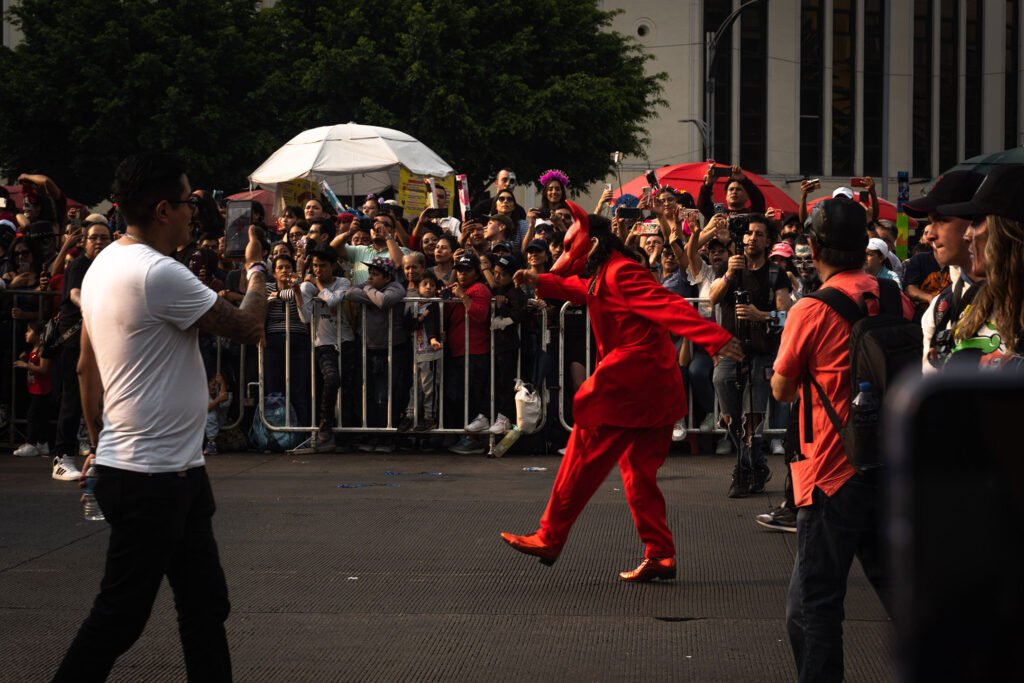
244,324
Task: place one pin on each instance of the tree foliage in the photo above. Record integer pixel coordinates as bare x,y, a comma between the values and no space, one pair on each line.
532,84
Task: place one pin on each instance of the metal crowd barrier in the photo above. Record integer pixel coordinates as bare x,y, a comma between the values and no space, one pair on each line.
569,308
440,375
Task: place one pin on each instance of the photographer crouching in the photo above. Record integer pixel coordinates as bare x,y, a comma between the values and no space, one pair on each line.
752,294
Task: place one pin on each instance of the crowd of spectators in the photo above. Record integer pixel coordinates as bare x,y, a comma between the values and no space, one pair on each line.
394,318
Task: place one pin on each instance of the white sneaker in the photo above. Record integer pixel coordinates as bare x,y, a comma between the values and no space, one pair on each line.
708,424
26,450
64,469
679,430
500,426
479,424
777,447
43,448
561,451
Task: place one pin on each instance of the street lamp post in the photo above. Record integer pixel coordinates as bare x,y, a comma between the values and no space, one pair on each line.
705,136
710,52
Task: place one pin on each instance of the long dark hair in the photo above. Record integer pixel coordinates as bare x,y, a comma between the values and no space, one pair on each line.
607,243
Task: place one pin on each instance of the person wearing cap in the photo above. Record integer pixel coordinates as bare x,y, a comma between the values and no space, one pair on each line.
499,228
472,310
510,313
384,244
387,343
876,260
838,514
951,253
741,194
926,275
990,333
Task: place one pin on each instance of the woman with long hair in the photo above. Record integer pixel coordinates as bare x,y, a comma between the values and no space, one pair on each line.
553,184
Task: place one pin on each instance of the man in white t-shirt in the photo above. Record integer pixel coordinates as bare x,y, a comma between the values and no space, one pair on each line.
144,310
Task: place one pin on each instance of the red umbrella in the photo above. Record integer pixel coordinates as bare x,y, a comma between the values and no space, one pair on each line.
887,210
690,177
264,197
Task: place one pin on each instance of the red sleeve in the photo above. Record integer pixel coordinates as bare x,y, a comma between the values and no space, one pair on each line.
791,360
651,300
571,289
479,302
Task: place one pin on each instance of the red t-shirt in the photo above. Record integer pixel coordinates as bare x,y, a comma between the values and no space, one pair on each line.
479,322
39,384
815,342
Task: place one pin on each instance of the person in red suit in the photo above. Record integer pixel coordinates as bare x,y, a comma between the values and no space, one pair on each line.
625,410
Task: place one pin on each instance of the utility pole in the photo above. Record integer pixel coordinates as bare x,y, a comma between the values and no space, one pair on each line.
710,52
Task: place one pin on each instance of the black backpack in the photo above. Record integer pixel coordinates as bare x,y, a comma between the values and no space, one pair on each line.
882,347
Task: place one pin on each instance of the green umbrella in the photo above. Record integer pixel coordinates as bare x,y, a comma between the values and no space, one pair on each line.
983,163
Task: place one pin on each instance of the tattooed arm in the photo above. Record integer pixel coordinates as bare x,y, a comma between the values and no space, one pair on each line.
246,323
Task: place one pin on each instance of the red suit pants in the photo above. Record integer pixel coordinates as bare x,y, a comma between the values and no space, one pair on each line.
589,457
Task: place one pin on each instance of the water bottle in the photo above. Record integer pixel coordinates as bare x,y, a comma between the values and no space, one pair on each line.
864,407
511,436
90,508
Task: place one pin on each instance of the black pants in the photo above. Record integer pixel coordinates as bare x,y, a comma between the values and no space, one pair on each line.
332,377
377,384
159,525
38,416
273,372
454,388
70,414
505,369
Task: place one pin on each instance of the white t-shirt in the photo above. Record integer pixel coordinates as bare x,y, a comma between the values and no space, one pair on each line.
139,307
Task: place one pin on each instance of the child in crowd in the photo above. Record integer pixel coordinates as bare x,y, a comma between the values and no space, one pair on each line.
426,323
509,312
216,411
39,386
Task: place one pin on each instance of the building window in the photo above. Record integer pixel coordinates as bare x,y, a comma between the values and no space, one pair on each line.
844,40
1010,137
949,41
812,70
972,111
715,12
874,36
922,142
753,77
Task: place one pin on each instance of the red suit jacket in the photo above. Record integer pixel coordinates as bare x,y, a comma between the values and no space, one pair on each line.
636,382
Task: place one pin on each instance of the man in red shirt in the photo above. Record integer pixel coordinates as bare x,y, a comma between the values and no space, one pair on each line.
624,412
838,504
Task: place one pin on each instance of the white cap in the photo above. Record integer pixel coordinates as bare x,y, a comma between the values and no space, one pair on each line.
843,191
876,244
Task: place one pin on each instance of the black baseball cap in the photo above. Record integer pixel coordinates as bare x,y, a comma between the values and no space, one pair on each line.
953,187
468,262
503,219
998,195
839,224
537,245
507,261
504,244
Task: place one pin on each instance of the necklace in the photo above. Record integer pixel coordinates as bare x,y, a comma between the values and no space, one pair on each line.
137,239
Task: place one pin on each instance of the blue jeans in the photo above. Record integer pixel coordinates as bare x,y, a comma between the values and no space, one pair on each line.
829,533
700,371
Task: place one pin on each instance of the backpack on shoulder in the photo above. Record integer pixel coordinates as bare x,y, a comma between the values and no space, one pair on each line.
882,347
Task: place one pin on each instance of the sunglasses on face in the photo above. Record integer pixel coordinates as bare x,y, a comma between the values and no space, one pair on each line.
506,199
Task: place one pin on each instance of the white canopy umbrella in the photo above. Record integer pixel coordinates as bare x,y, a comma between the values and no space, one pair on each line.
354,159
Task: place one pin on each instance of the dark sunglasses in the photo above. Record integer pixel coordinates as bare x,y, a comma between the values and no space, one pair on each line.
506,199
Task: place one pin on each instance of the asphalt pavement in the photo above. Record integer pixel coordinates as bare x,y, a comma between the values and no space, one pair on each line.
390,568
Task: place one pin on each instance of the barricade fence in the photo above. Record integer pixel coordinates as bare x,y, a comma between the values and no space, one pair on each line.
362,405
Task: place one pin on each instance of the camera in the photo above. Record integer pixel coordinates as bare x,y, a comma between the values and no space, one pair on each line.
738,225
195,263
742,296
627,212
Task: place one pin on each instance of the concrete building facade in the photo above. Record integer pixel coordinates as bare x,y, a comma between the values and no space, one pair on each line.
799,84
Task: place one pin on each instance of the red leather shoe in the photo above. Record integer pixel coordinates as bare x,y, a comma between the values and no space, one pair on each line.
651,568
532,545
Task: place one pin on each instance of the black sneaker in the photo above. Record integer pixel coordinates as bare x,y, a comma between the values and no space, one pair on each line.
780,519
426,424
740,486
762,475
405,424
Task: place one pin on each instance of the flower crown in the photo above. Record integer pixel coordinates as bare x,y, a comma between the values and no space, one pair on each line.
554,174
